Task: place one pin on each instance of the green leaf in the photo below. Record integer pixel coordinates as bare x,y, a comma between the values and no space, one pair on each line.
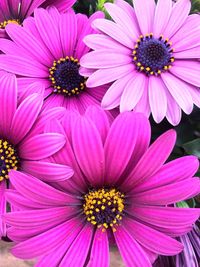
192,147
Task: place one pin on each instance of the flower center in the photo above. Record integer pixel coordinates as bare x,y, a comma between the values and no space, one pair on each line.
104,208
65,77
153,55
8,159
6,22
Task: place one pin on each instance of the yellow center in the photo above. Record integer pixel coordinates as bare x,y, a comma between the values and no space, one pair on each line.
104,208
6,22
8,159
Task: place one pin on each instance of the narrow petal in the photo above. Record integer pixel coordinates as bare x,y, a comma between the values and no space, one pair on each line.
88,148
112,97
182,8
176,170
104,59
104,76
157,98
187,71
132,253
68,32
23,66
120,144
113,30
50,37
179,90
28,186
46,171
168,194
100,119
152,239
133,92
25,117
100,243
3,204
153,159
61,5
40,245
145,14
8,101
119,15
80,247
162,14
41,146
188,54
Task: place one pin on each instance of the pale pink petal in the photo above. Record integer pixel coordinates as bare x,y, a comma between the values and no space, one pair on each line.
104,76
88,148
113,30
157,98
100,244
162,15
133,92
188,35
132,253
179,91
188,54
195,93
152,239
104,59
179,13
112,97
143,105
188,71
120,16
145,14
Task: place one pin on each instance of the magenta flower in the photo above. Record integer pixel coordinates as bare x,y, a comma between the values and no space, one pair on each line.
16,11
120,189
48,49
150,54
23,144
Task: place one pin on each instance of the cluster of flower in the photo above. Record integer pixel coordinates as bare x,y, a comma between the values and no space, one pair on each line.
74,176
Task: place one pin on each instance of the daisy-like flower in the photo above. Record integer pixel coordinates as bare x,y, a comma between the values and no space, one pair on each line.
16,11
150,54
48,49
120,189
23,143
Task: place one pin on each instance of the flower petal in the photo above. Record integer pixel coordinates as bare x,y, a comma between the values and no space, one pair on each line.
145,14
162,14
157,98
152,239
88,148
41,146
100,243
132,253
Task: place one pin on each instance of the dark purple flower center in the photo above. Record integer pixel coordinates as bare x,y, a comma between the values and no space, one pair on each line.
153,55
6,22
65,77
8,159
104,207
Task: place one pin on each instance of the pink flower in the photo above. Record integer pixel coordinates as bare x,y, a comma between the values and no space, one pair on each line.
120,189
48,49
23,142
17,11
150,54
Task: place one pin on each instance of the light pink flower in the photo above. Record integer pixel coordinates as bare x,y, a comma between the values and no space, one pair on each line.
120,189
150,53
